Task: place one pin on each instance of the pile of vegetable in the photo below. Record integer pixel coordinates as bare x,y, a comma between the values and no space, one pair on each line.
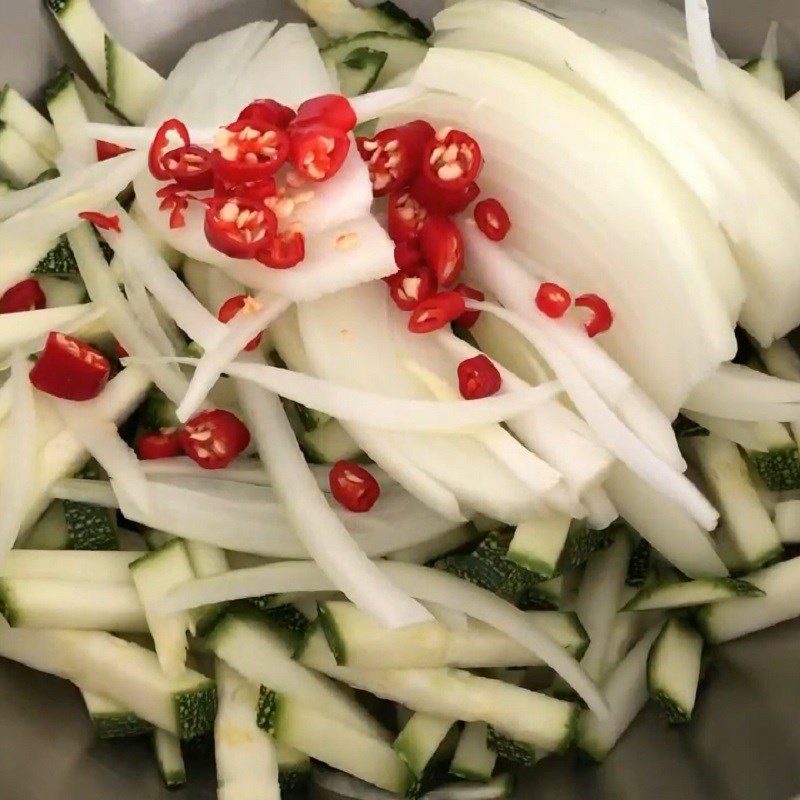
451,367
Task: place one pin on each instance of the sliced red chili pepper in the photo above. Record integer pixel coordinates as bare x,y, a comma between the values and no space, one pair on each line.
442,248
213,439
107,150
231,307
353,487
553,300
478,377
451,160
405,217
436,312
470,316
394,155
26,295
492,219
284,251
190,167
119,350
107,222
176,202
318,151
70,369
332,110
602,316
410,287
164,140
267,112
165,443
443,201
407,255
239,227
245,152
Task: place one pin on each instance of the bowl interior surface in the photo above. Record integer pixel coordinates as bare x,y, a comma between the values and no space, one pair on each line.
744,743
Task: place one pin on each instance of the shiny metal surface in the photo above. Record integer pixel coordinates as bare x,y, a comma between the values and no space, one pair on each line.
745,741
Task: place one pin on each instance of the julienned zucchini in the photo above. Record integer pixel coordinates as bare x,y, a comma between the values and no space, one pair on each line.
372,59
538,542
246,642
154,574
691,593
355,639
474,760
294,772
206,560
673,670
50,531
329,443
112,720
58,260
246,757
90,527
131,86
167,749
122,671
19,114
298,724
777,459
342,18
517,713
740,507
419,740
19,162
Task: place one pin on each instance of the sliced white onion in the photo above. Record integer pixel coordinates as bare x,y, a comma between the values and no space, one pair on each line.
320,531
99,435
103,289
217,359
703,49
19,461
372,105
140,138
611,432
429,585
380,411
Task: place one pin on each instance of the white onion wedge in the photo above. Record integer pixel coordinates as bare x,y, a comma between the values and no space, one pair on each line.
703,50
19,462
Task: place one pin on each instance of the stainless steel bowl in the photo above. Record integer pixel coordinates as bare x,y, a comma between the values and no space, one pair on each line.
744,743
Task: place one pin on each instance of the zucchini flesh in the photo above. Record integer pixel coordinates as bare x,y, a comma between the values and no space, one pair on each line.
691,593
474,760
50,531
342,18
133,87
673,670
419,740
538,542
90,527
357,69
19,162
112,720
306,728
169,758
17,112
329,443
99,567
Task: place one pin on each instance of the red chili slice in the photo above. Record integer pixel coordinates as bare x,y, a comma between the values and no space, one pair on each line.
470,316
213,439
410,287
239,227
492,219
332,110
190,167
26,295
284,251
165,443
254,190
267,112
70,369
394,155
405,217
553,300
119,350
246,152
353,487
478,377
231,307
436,312
442,248
442,201
602,316
451,160
407,255
107,150
318,151
107,222
162,141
